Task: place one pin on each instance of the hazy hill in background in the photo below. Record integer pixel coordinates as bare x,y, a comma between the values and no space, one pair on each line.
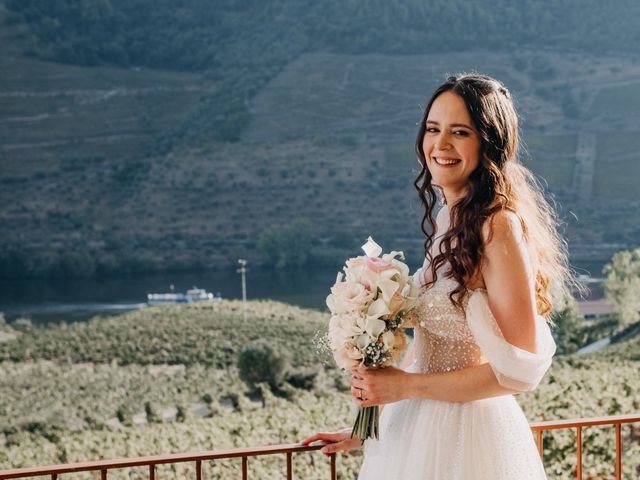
139,135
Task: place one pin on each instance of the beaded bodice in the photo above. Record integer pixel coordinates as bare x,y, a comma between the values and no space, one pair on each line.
442,339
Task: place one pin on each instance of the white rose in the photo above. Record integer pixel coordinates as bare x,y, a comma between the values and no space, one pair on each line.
344,327
347,358
348,297
337,336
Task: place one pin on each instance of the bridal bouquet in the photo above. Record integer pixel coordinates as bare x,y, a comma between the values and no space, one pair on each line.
368,303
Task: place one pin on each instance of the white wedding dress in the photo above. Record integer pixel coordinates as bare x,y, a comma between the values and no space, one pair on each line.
487,439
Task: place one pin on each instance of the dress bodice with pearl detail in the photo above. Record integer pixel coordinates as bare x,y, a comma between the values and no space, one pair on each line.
448,338
443,340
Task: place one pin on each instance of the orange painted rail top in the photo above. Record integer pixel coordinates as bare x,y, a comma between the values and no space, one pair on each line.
584,422
159,460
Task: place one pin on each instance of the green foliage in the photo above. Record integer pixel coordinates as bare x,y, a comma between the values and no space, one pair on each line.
231,43
304,378
151,413
567,326
123,416
182,334
287,245
183,413
261,363
622,285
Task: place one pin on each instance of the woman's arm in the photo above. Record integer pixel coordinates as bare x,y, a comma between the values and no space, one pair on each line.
388,385
466,385
509,278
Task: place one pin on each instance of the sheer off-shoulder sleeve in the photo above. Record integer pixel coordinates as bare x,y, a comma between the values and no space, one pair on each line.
515,368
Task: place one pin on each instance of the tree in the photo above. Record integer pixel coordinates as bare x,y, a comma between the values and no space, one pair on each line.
622,285
567,325
260,362
287,245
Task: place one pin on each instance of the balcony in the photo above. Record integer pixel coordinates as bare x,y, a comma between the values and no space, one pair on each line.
147,466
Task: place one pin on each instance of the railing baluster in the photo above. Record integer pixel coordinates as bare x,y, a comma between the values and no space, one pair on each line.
289,467
103,474
579,453
152,472
618,451
54,476
540,443
245,469
333,466
198,469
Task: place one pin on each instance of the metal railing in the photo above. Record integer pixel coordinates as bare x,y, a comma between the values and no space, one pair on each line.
579,424
103,466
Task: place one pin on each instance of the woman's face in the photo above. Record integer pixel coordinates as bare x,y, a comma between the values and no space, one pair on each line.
451,145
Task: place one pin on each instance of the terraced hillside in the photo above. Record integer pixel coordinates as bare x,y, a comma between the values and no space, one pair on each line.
95,178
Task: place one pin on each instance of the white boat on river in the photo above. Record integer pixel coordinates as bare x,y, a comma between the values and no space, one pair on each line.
192,295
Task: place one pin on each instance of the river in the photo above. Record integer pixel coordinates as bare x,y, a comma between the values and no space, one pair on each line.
70,300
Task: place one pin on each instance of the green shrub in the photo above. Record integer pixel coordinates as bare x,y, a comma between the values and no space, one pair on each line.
304,378
260,362
152,413
183,413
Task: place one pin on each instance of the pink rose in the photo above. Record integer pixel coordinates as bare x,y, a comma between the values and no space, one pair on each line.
378,264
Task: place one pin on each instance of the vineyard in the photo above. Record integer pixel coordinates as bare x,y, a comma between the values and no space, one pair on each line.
165,380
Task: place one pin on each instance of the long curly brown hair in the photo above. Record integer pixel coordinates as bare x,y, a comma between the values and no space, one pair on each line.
499,183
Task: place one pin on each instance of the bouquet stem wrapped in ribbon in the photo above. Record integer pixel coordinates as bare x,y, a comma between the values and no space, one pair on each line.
368,303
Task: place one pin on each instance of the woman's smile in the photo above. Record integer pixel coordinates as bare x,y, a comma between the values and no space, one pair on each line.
446,161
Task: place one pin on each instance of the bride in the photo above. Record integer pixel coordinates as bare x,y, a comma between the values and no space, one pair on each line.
480,332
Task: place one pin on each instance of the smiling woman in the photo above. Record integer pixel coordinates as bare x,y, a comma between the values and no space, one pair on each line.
451,144
492,259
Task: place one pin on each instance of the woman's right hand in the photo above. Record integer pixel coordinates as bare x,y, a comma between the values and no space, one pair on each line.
339,441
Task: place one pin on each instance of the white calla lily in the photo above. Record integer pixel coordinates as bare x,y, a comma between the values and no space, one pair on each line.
378,309
361,342
392,255
371,248
375,327
388,288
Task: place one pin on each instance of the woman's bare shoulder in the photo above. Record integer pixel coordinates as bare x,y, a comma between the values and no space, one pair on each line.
503,226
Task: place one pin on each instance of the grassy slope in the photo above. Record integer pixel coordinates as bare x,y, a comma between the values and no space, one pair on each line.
62,388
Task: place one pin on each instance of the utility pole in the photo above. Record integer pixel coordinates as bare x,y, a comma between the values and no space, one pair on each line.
243,271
